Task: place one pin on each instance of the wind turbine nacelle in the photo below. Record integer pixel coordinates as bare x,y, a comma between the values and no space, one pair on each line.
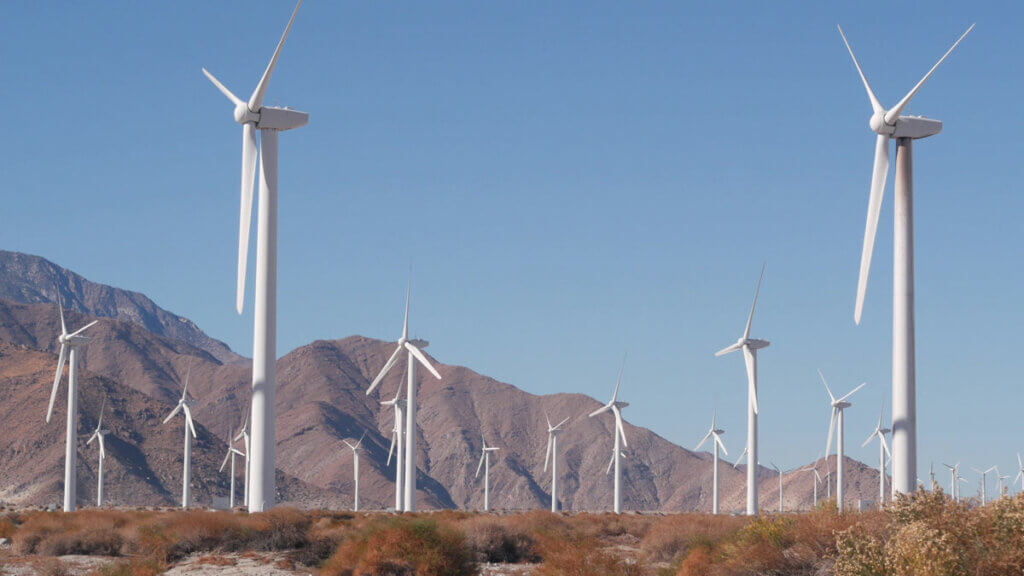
281,118
916,127
421,344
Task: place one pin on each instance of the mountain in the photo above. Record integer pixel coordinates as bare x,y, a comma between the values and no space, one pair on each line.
30,279
321,400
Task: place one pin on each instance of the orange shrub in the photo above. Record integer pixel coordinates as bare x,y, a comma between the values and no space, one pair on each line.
402,545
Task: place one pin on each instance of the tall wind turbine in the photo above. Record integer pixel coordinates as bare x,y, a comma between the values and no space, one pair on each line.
620,436
232,452
356,448
984,483
1020,472
98,435
837,408
243,435
397,439
817,480
883,449
780,485
552,455
269,120
413,348
485,461
69,345
714,434
890,125
750,346
190,428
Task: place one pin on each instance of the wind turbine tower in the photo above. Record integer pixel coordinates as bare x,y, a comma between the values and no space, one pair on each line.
552,456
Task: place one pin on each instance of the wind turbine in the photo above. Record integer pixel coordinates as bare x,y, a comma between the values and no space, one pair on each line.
984,474
397,437
485,462
1000,479
269,120
243,435
780,485
838,406
890,125
190,428
69,344
1020,472
98,435
750,346
412,347
356,448
883,449
817,480
232,452
619,434
953,473
714,434
552,455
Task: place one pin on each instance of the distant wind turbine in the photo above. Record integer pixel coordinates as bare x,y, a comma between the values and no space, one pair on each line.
356,448
485,462
984,474
750,346
714,434
98,435
780,485
232,452
243,435
817,480
69,345
190,428
397,439
552,455
954,471
412,347
883,449
619,434
837,408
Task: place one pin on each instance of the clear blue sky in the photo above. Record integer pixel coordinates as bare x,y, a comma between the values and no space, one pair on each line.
571,180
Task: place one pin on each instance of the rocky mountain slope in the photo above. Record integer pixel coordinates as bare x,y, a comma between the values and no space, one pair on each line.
321,401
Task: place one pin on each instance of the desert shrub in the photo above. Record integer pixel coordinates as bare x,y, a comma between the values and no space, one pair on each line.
402,545
494,540
51,567
673,536
100,542
7,528
135,567
920,550
859,553
579,555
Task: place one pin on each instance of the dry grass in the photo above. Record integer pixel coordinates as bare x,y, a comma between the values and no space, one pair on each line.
386,546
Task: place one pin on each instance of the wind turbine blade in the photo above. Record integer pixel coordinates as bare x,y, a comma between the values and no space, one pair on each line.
823,381
249,157
618,381
1020,464
103,406
704,439
547,456
876,106
481,464
740,459
408,293
224,463
56,380
562,423
870,437
851,392
103,449
548,420
188,373
245,422
721,445
750,318
83,328
223,89
620,428
60,308
387,366
878,176
728,349
748,358
831,430
91,438
601,410
894,112
173,413
360,443
188,420
423,359
256,100
610,462
391,450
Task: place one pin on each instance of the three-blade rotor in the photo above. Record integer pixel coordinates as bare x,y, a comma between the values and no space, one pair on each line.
404,344
749,346
67,341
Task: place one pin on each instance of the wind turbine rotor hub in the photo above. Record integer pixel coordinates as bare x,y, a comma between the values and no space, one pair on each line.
243,115
878,125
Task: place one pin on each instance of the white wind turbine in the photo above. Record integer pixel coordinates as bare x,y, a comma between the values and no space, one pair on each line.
243,435
98,435
714,434
69,344
1020,472
253,116
883,449
414,354
954,471
984,483
485,462
356,448
397,439
1001,482
232,452
750,346
817,480
890,125
552,455
780,485
620,437
838,406
190,433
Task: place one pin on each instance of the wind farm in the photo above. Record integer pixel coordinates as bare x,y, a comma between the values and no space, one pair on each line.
566,192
